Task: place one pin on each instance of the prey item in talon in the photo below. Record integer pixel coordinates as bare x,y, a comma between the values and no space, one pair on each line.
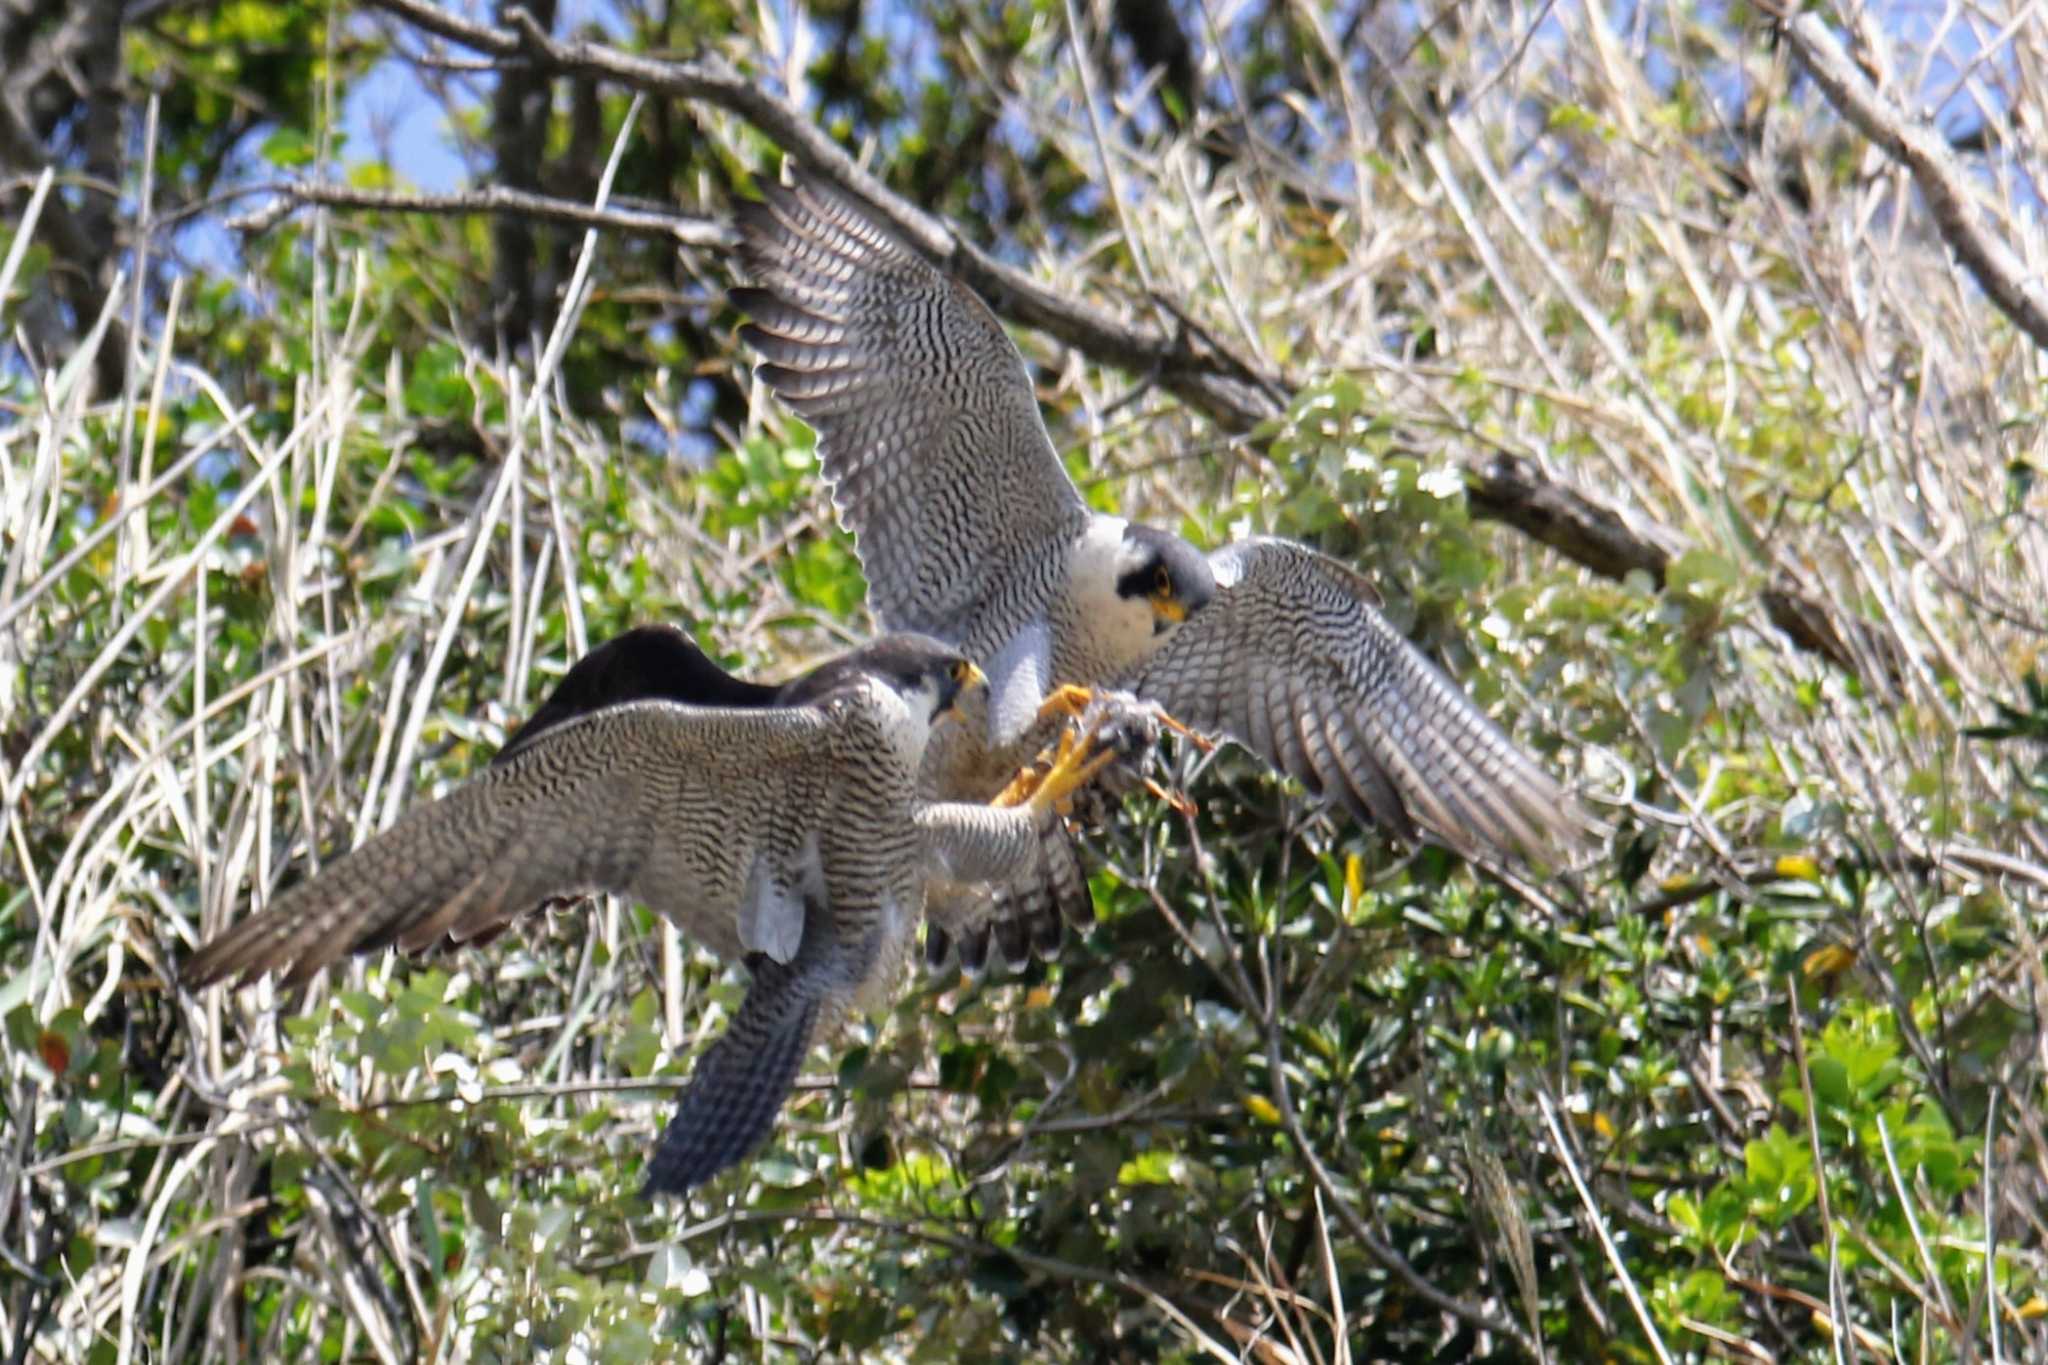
969,526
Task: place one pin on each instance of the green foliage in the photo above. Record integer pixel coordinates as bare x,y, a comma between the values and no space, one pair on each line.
1784,1014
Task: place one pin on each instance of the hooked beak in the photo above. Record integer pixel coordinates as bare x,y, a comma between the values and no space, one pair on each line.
965,679
1167,612
1174,604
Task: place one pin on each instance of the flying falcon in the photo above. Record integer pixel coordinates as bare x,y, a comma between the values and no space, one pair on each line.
776,824
970,530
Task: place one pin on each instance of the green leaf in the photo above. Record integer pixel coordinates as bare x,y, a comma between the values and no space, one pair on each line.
288,148
1701,574
1778,1175
1157,1167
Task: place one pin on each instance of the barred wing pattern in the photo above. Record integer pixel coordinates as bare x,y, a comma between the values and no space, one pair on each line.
928,428
669,803
1294,661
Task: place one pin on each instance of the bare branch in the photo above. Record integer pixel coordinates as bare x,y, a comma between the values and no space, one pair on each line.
1928,157
1509,489
682,230
1187,361
1200,374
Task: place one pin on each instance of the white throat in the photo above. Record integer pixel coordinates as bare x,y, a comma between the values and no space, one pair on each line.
905,720
1105,634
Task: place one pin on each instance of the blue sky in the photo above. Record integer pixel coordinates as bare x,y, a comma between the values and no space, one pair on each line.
391,108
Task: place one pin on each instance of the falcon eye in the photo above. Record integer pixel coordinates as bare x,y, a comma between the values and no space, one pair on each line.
1162,580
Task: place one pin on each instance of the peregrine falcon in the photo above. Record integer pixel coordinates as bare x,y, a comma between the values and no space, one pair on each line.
780,825
970,530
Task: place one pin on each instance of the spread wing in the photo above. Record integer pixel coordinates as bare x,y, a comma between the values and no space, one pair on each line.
1292,660
695,812
927,425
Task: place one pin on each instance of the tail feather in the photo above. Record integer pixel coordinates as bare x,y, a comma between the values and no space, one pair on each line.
938,947
1023,918
739,1084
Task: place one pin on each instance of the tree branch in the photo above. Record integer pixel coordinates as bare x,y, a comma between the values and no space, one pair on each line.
1927,156
1511,490
294,194
1235,393
1514,492
1205,380
521,275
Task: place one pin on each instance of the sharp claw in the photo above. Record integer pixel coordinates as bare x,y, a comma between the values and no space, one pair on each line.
1075,761
1021,787
1181,803
1067,700
1070,775
1202,742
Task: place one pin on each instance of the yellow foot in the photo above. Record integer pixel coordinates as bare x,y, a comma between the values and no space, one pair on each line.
1068,699
1075,764
1074,767
1021,787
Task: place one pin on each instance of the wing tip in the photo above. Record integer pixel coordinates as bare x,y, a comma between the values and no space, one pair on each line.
198,973
234,958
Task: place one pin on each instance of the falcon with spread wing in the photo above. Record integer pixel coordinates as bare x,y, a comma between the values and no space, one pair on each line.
970,530
777,824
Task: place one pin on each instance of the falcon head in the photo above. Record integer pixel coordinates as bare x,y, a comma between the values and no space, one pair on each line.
929,675
1170,577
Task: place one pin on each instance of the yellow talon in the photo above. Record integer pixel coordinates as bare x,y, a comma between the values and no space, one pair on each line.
1075,763
1021,787
1074,768
1180,803
1068,700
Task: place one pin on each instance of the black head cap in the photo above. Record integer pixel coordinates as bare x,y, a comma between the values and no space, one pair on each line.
904,661
1168,572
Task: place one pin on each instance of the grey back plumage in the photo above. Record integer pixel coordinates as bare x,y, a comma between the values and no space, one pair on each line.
646,663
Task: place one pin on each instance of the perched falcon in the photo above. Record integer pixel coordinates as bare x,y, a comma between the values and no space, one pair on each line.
970,530
780,825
